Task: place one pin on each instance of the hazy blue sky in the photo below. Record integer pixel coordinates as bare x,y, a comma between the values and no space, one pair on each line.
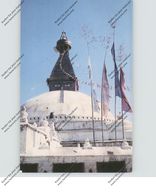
39,34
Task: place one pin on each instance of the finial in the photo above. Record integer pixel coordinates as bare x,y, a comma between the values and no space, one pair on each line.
63,35
63,44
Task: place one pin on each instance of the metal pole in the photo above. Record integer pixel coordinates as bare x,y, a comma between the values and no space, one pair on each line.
93,125
123,131
102,118
102,101
115,118
92,105
115,90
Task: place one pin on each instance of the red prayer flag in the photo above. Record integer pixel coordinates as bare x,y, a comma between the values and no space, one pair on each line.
125,104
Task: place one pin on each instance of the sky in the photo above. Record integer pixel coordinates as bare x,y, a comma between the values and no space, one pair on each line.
88,22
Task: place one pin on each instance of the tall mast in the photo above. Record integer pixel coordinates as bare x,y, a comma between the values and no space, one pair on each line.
93,124
122,114
123,131
114,90
102,114
91,88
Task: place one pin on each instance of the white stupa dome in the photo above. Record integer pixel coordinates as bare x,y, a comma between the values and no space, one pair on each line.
75,104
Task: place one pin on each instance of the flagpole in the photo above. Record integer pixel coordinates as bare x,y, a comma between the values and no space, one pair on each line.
123,131
102,104
93,124
92,105
115,90
102,118
115,119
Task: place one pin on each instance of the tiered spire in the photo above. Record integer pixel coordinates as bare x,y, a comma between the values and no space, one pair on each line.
62,76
